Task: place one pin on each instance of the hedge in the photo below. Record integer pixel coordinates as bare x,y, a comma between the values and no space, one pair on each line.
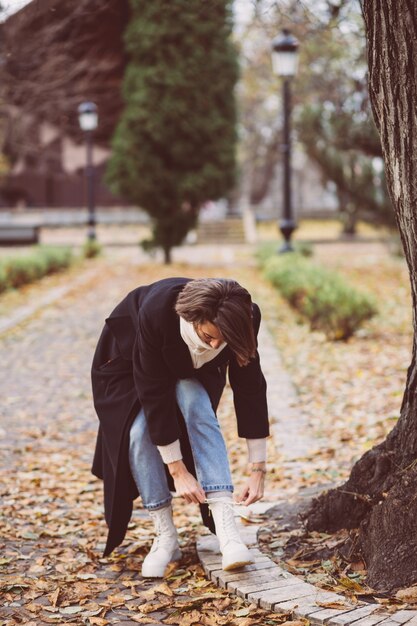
321,295
43,260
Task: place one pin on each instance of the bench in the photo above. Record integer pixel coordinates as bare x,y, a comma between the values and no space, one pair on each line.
18,234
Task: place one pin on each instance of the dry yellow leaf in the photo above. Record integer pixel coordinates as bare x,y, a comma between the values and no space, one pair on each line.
98,621
140,619
184,619
407,595
171,568
337,604
214,619
148,607
53,597
163,588
118,599
350,584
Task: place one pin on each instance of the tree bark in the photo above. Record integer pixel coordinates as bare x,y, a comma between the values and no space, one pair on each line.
380,496
167,255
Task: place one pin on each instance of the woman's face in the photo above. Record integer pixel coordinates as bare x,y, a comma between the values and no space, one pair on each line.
210,334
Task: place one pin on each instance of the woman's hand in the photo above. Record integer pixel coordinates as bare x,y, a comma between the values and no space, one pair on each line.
254,488
186,485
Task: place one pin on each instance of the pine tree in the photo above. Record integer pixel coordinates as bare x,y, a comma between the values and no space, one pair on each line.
174,147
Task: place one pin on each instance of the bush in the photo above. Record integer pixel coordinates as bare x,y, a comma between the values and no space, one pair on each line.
3,278
91,249
322,296
18,271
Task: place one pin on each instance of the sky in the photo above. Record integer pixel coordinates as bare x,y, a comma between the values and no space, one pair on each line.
11,6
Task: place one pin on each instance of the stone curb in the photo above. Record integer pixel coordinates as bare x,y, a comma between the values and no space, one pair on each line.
271,587
265,583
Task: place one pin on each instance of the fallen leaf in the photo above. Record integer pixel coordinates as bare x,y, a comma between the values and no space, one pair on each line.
163,588
140,619
118,599
86,576
184,619
242,612
407,595
71,610
334,605
351,584
53,597
149,607
359,566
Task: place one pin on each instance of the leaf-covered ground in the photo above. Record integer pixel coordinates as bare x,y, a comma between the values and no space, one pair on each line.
53,532
52,526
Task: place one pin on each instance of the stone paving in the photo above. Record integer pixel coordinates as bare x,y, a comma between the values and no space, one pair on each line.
47,434
60,339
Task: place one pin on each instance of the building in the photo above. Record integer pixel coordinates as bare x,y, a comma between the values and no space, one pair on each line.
56,54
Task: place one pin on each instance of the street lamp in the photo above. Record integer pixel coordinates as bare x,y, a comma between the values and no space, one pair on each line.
88,119
284,64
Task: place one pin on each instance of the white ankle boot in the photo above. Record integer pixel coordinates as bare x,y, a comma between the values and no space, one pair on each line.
165,547
234,552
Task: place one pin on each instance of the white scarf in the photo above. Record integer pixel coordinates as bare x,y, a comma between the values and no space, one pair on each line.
200,352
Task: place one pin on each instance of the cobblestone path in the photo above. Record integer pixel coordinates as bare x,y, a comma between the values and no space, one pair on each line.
51,516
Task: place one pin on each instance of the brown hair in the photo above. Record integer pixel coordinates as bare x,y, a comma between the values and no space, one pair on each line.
225,304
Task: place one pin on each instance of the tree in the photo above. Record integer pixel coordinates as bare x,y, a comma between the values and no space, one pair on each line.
348,154
332,114
174,147
380,496
334,120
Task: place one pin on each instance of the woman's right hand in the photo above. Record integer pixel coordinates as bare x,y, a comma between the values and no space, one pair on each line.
186,485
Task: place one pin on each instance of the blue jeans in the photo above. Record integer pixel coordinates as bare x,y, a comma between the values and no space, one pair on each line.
207,445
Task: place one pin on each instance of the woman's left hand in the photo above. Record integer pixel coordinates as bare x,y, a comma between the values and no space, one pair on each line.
254,488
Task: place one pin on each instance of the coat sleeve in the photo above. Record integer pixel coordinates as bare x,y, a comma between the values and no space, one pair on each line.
249,392
155,385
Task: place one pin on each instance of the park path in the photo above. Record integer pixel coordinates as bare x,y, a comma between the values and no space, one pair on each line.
52,527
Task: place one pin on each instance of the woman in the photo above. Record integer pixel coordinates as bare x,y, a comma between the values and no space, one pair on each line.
158,374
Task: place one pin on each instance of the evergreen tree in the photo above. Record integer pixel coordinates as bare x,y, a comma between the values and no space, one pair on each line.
174,147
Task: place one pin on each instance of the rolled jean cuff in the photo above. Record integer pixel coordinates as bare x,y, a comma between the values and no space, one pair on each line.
153,506
208,488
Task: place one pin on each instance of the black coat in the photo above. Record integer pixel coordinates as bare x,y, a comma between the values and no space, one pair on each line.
138,360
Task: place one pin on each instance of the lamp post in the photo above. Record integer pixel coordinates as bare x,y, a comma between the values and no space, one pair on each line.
88,119
284,63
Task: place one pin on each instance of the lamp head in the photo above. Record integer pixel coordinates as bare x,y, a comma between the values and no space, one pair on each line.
285,54
87,116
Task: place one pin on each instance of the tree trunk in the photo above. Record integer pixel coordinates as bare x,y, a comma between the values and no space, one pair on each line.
381,494
167,255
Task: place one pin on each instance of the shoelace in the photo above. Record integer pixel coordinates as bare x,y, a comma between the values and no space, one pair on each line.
160,539
231,504
228,519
